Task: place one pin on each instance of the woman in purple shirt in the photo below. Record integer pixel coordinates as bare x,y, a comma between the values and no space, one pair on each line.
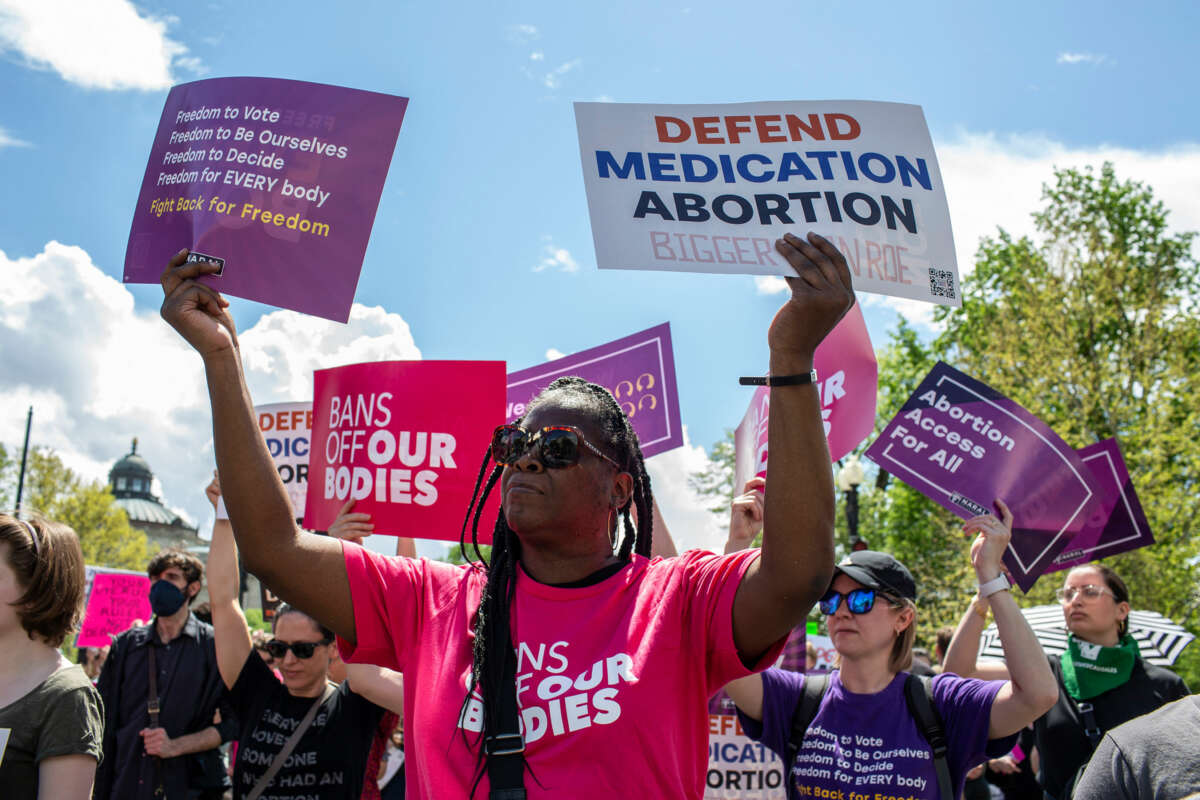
863,741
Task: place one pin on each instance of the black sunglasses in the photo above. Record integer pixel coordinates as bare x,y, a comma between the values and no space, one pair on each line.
279,649
858,601
555,446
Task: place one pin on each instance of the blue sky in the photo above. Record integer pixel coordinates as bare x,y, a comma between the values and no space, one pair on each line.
482,244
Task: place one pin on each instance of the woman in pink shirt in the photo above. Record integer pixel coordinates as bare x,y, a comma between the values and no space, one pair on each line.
572,663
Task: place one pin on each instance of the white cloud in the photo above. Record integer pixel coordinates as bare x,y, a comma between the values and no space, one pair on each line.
98,44
1081,58
770,284
555,257
98,372
537,55
687,516
522,33
7,140
553,78
552,353
278,370
995,181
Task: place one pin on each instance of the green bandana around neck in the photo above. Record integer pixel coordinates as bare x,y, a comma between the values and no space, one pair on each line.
1092,669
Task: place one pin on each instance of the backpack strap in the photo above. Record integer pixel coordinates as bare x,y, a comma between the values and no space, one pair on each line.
506,750
807,706
918,692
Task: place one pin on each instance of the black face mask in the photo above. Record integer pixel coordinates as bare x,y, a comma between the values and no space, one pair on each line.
165,598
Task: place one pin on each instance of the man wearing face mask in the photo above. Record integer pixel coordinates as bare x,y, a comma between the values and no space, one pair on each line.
161,687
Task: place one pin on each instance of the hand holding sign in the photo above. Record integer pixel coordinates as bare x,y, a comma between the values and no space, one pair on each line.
350,526
987,551
822,293
196,311
745,516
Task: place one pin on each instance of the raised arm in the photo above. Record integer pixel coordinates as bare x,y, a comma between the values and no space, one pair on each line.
798,518
964,645
1031,690
747,694
306,570
661,544
745,516
231,633
382,686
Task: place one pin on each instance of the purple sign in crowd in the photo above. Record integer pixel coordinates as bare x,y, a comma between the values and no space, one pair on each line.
963,445
1119,524
639,370
277,181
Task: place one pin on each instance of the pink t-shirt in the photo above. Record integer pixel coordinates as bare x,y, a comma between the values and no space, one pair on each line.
612,679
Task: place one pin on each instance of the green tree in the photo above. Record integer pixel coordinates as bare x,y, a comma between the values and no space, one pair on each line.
897,519
455,554
105,535
1093,326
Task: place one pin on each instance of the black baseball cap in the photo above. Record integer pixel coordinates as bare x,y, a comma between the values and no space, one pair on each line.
879,571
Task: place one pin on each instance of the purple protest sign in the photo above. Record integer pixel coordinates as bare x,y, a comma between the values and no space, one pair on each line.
1119,523
962,444
277,181
639,370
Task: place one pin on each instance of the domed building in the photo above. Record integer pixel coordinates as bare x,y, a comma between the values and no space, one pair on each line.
131,482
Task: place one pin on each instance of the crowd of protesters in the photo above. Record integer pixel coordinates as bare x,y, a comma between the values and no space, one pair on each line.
578,660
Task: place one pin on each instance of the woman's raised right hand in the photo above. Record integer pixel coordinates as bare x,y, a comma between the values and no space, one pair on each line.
196,311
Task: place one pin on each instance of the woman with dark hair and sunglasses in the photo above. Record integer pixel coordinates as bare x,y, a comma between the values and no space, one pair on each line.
329,760
1102,679
570,664
863,739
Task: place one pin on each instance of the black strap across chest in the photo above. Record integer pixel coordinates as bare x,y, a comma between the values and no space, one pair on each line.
918,694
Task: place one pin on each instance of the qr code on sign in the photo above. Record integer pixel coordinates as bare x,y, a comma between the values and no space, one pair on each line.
941,283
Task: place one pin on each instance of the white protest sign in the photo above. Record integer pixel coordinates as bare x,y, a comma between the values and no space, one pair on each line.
709,188
739,768
287,429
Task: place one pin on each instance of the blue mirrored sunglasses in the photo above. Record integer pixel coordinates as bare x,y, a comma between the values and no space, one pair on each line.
858,601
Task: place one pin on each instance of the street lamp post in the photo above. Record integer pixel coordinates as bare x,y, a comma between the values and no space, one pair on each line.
850,477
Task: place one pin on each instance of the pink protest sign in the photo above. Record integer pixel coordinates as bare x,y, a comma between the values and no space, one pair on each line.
277,181
849,382
638,369
116,600
405,439
1119,524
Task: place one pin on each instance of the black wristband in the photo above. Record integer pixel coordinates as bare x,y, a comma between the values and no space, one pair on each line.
780,380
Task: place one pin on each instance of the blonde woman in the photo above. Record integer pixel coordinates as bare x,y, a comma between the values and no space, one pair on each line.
865,736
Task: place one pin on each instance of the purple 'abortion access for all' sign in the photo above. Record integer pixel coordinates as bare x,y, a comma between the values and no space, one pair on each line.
639,370
1119,523
963,444
277,181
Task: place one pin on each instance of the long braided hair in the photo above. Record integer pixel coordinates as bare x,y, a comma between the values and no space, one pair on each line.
491,622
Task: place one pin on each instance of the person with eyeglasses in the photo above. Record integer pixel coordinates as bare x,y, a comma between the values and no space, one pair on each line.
570,664
1102,679
860,731
335,724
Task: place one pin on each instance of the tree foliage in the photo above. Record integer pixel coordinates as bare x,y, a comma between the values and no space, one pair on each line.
455,554
52,489
715,481
1092,325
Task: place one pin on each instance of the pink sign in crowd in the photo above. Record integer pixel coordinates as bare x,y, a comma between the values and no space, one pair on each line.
581,656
